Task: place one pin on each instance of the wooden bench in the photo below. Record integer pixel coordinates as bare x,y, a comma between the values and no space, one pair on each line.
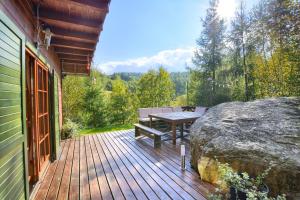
149,132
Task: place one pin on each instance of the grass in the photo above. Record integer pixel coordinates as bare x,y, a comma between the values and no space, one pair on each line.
106,129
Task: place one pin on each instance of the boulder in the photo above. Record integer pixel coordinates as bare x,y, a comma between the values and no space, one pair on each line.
251,136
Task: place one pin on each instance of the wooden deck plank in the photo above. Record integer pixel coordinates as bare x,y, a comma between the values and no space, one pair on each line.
114,187
174,173
171,152
93,181
167,157
146,176
185,190
136,175
131,182
127,192
161,180
104,186
117,166
65,181
54,187
74,184
190,178
47,180
84,182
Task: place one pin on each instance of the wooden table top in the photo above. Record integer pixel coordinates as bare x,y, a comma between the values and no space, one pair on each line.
177,116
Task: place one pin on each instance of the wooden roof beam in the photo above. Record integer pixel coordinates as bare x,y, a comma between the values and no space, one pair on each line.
46,13
71,44
76,62
80,52
74,34
74,57
102,5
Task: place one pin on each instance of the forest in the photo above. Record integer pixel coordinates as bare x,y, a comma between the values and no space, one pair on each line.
115,99
256,55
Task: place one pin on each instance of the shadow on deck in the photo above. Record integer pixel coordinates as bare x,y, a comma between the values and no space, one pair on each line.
116,166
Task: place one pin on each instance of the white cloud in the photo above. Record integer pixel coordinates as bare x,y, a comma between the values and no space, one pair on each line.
172,60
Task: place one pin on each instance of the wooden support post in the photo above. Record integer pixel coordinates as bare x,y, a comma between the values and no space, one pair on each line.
137,133
181,131
150,122
157,141
174,133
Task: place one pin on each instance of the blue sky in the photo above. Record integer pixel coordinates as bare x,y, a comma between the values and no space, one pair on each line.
143,34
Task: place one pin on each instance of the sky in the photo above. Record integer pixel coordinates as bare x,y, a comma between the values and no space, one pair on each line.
139,35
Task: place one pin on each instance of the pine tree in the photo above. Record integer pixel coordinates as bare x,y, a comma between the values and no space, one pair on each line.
208,57
240,39
94,105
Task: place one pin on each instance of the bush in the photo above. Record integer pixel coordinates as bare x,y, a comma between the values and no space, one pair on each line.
241,182
69,129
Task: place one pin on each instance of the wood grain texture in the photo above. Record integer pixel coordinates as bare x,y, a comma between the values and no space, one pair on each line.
116,166
12,164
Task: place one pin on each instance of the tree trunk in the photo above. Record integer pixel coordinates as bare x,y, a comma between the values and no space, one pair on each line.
245,73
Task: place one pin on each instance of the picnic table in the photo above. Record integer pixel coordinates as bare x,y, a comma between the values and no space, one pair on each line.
174,119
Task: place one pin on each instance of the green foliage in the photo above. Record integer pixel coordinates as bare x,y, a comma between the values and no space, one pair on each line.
69,129
121,105
106,128
180,80
94,105
155,89
73,88
208,59
180,101
242,182
261,57
99,101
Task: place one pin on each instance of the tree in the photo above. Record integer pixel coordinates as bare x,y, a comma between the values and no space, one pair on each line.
155,88
73,91
208,57
94,108
180,80
121,106
239,38
275,30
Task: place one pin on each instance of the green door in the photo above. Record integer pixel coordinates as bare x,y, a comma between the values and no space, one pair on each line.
53,103
13,170
57,128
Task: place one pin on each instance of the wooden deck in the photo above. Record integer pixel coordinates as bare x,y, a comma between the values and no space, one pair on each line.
116,166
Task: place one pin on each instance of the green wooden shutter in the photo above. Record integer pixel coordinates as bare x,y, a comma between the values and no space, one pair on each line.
56,108
13,175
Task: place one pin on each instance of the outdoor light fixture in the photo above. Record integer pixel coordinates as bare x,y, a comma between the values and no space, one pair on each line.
47,38
46,30
182,153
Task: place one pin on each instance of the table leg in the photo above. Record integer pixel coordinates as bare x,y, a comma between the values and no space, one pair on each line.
174,133
181,131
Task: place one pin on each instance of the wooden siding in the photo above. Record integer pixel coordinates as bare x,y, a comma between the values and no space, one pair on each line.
21,14
12,156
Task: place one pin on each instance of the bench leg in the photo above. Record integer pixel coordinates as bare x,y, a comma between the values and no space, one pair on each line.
181,131
137,132
157,141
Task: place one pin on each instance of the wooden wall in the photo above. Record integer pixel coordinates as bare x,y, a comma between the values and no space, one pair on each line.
20,12
17,30
13,153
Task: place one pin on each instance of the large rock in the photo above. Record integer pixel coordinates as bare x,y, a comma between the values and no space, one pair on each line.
252,135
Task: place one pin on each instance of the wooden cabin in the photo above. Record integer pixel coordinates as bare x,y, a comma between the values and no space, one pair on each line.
41,41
